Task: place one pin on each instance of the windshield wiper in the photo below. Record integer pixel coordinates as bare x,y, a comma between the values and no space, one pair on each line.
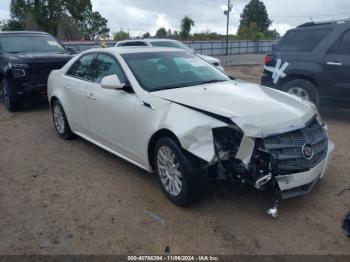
212,81
187,85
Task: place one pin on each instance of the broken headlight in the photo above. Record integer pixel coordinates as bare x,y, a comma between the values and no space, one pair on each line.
227,141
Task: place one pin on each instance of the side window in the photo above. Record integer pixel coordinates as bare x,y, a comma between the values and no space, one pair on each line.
106,65
344,46
81,68
302,40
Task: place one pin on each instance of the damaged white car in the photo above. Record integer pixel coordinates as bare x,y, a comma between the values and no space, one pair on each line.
170,112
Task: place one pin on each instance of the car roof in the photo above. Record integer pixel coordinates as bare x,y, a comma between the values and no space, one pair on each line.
323,23
22,33
133,50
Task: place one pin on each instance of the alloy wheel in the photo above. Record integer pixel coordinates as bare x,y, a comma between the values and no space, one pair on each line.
59,119
299,92
169,171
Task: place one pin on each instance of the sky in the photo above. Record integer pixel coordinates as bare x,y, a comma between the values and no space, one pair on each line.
140,16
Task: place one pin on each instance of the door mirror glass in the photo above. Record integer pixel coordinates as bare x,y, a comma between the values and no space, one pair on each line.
71,50
112,82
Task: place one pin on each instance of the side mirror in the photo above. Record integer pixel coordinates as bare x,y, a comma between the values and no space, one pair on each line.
112,82
71,50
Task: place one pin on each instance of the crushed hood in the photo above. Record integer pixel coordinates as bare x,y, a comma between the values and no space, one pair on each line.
259,111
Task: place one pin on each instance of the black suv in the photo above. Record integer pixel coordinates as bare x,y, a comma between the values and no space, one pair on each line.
312,62
26,60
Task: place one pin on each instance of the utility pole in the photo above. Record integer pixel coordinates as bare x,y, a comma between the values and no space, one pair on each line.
227,13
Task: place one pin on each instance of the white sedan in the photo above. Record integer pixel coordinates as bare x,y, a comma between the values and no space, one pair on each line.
162,42
168,111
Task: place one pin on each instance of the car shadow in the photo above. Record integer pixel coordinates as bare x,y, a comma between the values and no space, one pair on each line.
338,111
35,104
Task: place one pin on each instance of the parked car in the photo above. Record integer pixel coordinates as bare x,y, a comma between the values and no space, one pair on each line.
154,42
312,62
168,111
81,46
26,60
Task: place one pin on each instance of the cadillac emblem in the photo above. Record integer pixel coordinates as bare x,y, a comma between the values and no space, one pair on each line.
308,151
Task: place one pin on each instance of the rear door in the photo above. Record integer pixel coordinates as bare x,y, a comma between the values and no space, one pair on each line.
337,68
76,86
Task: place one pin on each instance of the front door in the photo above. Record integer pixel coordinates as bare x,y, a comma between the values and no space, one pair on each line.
111,113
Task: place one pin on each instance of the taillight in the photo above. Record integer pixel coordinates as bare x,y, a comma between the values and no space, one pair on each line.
269,59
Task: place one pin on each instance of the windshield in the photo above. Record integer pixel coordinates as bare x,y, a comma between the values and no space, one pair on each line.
29,43
174,44
166,70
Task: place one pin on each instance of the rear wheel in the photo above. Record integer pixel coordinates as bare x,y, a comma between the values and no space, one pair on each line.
303,89
178,176
11,100
60,121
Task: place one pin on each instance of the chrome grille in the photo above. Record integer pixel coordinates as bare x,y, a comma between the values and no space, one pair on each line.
287,148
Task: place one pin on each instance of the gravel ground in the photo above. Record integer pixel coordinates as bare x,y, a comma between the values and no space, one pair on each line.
59,197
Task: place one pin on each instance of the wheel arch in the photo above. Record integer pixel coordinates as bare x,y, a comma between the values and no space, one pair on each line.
155,137
53,99
291,77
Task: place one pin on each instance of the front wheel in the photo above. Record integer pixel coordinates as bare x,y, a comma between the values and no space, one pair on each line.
303,89
11,100
179,178
60,121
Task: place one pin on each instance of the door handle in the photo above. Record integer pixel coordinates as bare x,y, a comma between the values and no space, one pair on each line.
334,63
67,86
91,97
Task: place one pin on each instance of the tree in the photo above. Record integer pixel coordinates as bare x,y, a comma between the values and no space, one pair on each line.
121,35
94,26
67,29
10,25
250,32
186,26
146,35
161,33
47,15
255,12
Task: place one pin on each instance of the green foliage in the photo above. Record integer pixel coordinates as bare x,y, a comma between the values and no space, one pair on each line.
255,22
10,25
94,26
186,26
161,33
121,35
255,12
146,35
70,19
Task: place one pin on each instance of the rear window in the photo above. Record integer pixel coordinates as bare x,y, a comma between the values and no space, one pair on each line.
132,44
302,40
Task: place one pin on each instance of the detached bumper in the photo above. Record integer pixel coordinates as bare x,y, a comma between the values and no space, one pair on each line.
302,183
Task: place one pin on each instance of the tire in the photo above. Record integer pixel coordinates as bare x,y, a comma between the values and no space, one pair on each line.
60,121
11,100
183,169
302,88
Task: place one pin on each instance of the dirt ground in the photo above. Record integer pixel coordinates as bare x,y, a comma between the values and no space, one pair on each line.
59,197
